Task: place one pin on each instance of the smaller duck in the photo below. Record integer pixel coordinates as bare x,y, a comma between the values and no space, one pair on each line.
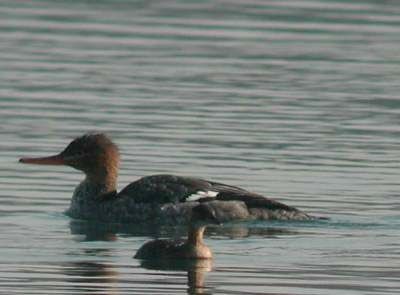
193,247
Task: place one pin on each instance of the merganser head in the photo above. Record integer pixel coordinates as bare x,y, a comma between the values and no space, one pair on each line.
94,154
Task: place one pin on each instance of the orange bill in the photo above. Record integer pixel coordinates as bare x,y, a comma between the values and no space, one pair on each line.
52,160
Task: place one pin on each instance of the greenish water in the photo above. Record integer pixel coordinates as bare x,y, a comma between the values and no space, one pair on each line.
297,100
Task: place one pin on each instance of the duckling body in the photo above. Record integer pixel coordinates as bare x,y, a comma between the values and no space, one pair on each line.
193,247
176,249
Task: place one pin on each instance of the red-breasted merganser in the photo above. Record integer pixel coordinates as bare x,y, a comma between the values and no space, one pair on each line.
193,247
155,198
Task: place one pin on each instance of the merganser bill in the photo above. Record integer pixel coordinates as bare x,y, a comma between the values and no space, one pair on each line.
151,199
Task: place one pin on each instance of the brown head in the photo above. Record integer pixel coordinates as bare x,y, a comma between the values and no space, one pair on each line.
94,154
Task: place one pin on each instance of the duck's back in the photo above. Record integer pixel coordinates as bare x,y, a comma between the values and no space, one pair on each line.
175,190
164,188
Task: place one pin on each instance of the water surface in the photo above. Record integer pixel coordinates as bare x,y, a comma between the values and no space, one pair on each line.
297,100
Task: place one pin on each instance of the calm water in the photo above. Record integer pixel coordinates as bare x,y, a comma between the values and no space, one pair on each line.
297,100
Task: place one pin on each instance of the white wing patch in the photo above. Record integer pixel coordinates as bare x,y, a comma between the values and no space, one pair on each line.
201,194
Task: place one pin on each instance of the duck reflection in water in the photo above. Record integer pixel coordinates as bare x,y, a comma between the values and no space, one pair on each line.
90,277
196,271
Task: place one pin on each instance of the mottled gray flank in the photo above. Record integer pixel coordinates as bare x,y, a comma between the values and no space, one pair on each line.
88,202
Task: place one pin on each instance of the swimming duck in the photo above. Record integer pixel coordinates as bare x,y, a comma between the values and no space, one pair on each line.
193,247
156,198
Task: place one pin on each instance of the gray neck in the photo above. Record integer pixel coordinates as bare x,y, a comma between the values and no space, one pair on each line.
88,197
91,190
